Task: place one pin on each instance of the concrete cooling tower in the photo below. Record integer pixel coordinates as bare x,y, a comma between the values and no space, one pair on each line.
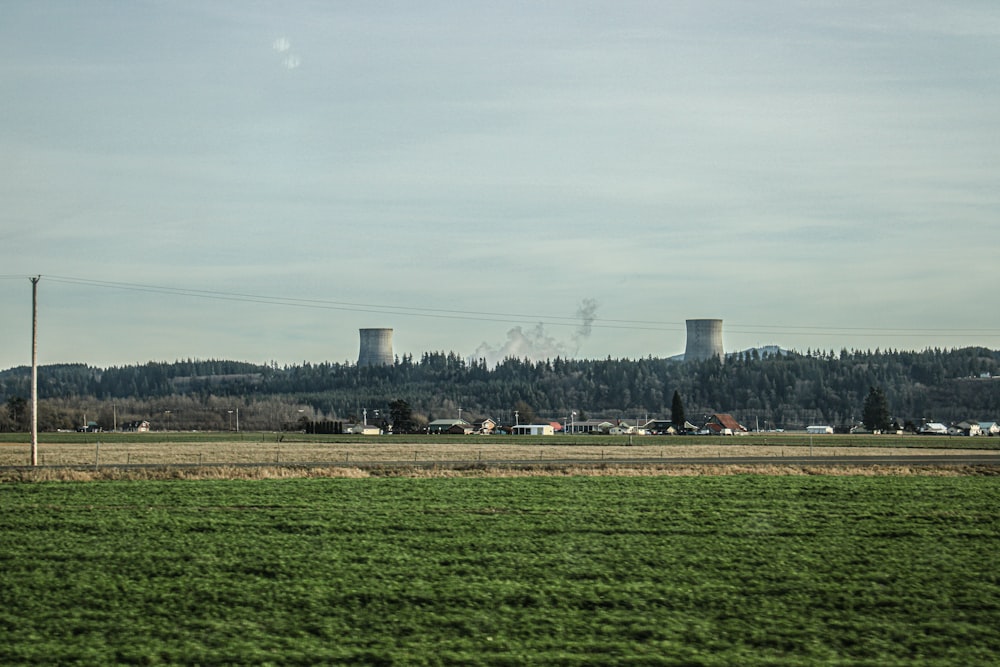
704,340
376,347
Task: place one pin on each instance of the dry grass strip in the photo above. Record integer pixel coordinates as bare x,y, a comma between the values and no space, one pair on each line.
110,473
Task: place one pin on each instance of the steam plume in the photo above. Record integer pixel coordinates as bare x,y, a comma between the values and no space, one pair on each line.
536,344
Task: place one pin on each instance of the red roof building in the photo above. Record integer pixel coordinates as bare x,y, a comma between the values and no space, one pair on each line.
724,424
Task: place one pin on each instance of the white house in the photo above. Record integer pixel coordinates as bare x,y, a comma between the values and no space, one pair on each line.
624,428
989,428
484,427
533,429
819,430
590,426
965,428
933,428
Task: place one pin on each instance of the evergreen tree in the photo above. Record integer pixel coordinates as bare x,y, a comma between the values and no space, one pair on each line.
18,414
791,390
875,413
402,416
677,411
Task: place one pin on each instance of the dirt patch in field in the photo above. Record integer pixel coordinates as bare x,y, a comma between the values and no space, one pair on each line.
313,454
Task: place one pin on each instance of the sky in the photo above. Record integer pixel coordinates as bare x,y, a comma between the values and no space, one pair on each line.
259,180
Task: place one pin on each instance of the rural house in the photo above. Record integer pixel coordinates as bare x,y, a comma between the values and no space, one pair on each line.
451,426
933,428
135,427
965,428
484,427
724,424
532,429
590,426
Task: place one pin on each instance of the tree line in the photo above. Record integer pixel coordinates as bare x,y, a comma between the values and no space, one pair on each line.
770,390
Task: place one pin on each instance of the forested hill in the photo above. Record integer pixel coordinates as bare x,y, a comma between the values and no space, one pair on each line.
785,390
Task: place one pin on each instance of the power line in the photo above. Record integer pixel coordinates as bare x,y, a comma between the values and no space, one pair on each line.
508,318
369,308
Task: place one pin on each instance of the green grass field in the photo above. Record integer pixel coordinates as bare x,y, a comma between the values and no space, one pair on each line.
550,571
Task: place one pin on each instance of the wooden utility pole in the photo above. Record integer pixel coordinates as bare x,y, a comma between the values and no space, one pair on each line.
34,370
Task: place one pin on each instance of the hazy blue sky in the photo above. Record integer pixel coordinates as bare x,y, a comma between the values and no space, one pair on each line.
817,174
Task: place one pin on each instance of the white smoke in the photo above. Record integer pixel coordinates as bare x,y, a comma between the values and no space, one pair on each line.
587,312
283,47
536,344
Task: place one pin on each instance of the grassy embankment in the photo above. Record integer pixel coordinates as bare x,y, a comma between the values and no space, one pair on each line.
556,571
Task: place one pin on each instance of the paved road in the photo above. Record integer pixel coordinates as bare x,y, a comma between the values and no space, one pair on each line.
848,460
932,460
819,460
